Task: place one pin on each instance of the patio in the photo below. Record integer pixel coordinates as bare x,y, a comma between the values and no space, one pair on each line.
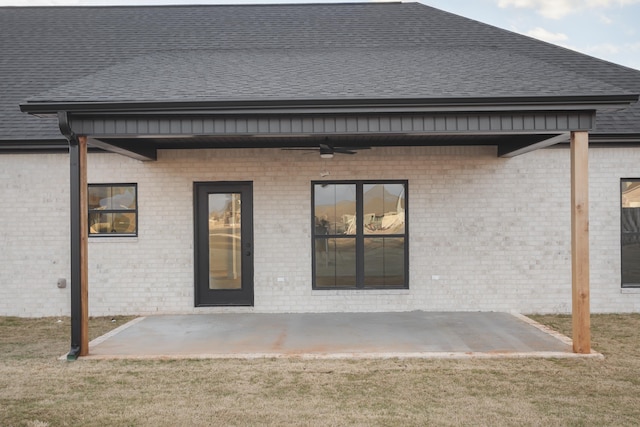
414,334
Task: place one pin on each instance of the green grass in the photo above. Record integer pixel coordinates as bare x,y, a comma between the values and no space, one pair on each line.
36,389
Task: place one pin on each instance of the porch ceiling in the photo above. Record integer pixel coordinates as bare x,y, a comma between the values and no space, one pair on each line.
140,146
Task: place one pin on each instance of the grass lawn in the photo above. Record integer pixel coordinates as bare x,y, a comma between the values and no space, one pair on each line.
36,389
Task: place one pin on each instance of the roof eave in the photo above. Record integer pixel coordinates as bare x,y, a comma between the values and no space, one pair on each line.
597,102
615,138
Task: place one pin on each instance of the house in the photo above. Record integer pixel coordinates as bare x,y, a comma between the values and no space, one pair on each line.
310,158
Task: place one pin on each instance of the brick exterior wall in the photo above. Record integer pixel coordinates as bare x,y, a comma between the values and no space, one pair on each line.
34,234
486,234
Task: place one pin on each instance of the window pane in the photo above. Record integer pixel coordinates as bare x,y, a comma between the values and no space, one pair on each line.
630,220
225,235
631,194
631,259
99,223
335,262
630,227
112,197
98,194
335,209
384,262
119,223
384,209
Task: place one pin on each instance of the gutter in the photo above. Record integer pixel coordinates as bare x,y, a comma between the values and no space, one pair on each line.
339,105
615,138
76,236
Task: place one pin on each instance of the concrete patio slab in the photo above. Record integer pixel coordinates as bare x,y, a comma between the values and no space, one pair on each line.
332,335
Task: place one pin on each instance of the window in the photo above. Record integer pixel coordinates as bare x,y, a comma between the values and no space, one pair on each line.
360,235
113,210
630,232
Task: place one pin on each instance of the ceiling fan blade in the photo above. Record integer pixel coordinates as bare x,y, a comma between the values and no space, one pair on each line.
327,150
350,150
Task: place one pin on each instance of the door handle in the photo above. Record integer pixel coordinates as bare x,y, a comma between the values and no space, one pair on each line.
248,253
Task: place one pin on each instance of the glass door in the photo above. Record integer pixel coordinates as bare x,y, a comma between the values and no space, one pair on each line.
224,244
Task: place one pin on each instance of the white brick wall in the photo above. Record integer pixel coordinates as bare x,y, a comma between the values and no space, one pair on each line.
34,234
485,233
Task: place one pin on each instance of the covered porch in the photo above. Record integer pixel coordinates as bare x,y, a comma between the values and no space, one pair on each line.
515,125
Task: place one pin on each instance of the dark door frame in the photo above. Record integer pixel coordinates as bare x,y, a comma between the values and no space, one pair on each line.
203,296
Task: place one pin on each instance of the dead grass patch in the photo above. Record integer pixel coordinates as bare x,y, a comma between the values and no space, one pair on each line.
46,337
38,390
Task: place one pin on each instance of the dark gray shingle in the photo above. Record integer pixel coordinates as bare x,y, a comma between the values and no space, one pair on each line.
313,74
280,52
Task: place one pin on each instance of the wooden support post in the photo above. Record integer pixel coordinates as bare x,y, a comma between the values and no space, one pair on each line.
79,248
580,242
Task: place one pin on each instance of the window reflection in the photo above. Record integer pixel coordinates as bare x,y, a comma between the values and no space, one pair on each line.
225,250
384,209
630,229
631,263
631,194
384,262
112,197
360,234
112,209
119,223
335,262
335,209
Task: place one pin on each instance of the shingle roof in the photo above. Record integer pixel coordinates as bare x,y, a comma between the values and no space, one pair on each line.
351,73
313,51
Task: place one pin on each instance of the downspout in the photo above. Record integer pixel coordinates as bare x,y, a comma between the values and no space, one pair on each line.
75,235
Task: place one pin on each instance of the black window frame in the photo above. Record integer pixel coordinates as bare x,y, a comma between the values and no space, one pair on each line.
133,211
360,235
624,236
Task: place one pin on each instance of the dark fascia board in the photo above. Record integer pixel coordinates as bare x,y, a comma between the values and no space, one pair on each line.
599,102
33,144
21,146
18,146
615,138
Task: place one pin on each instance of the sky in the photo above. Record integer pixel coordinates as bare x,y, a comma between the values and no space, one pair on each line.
606,29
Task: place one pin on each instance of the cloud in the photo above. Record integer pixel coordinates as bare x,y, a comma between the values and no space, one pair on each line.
554,9
614,49
547,36
558,9
623,53
604,49
606,20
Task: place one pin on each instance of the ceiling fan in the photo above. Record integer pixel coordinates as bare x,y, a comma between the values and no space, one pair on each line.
327,151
